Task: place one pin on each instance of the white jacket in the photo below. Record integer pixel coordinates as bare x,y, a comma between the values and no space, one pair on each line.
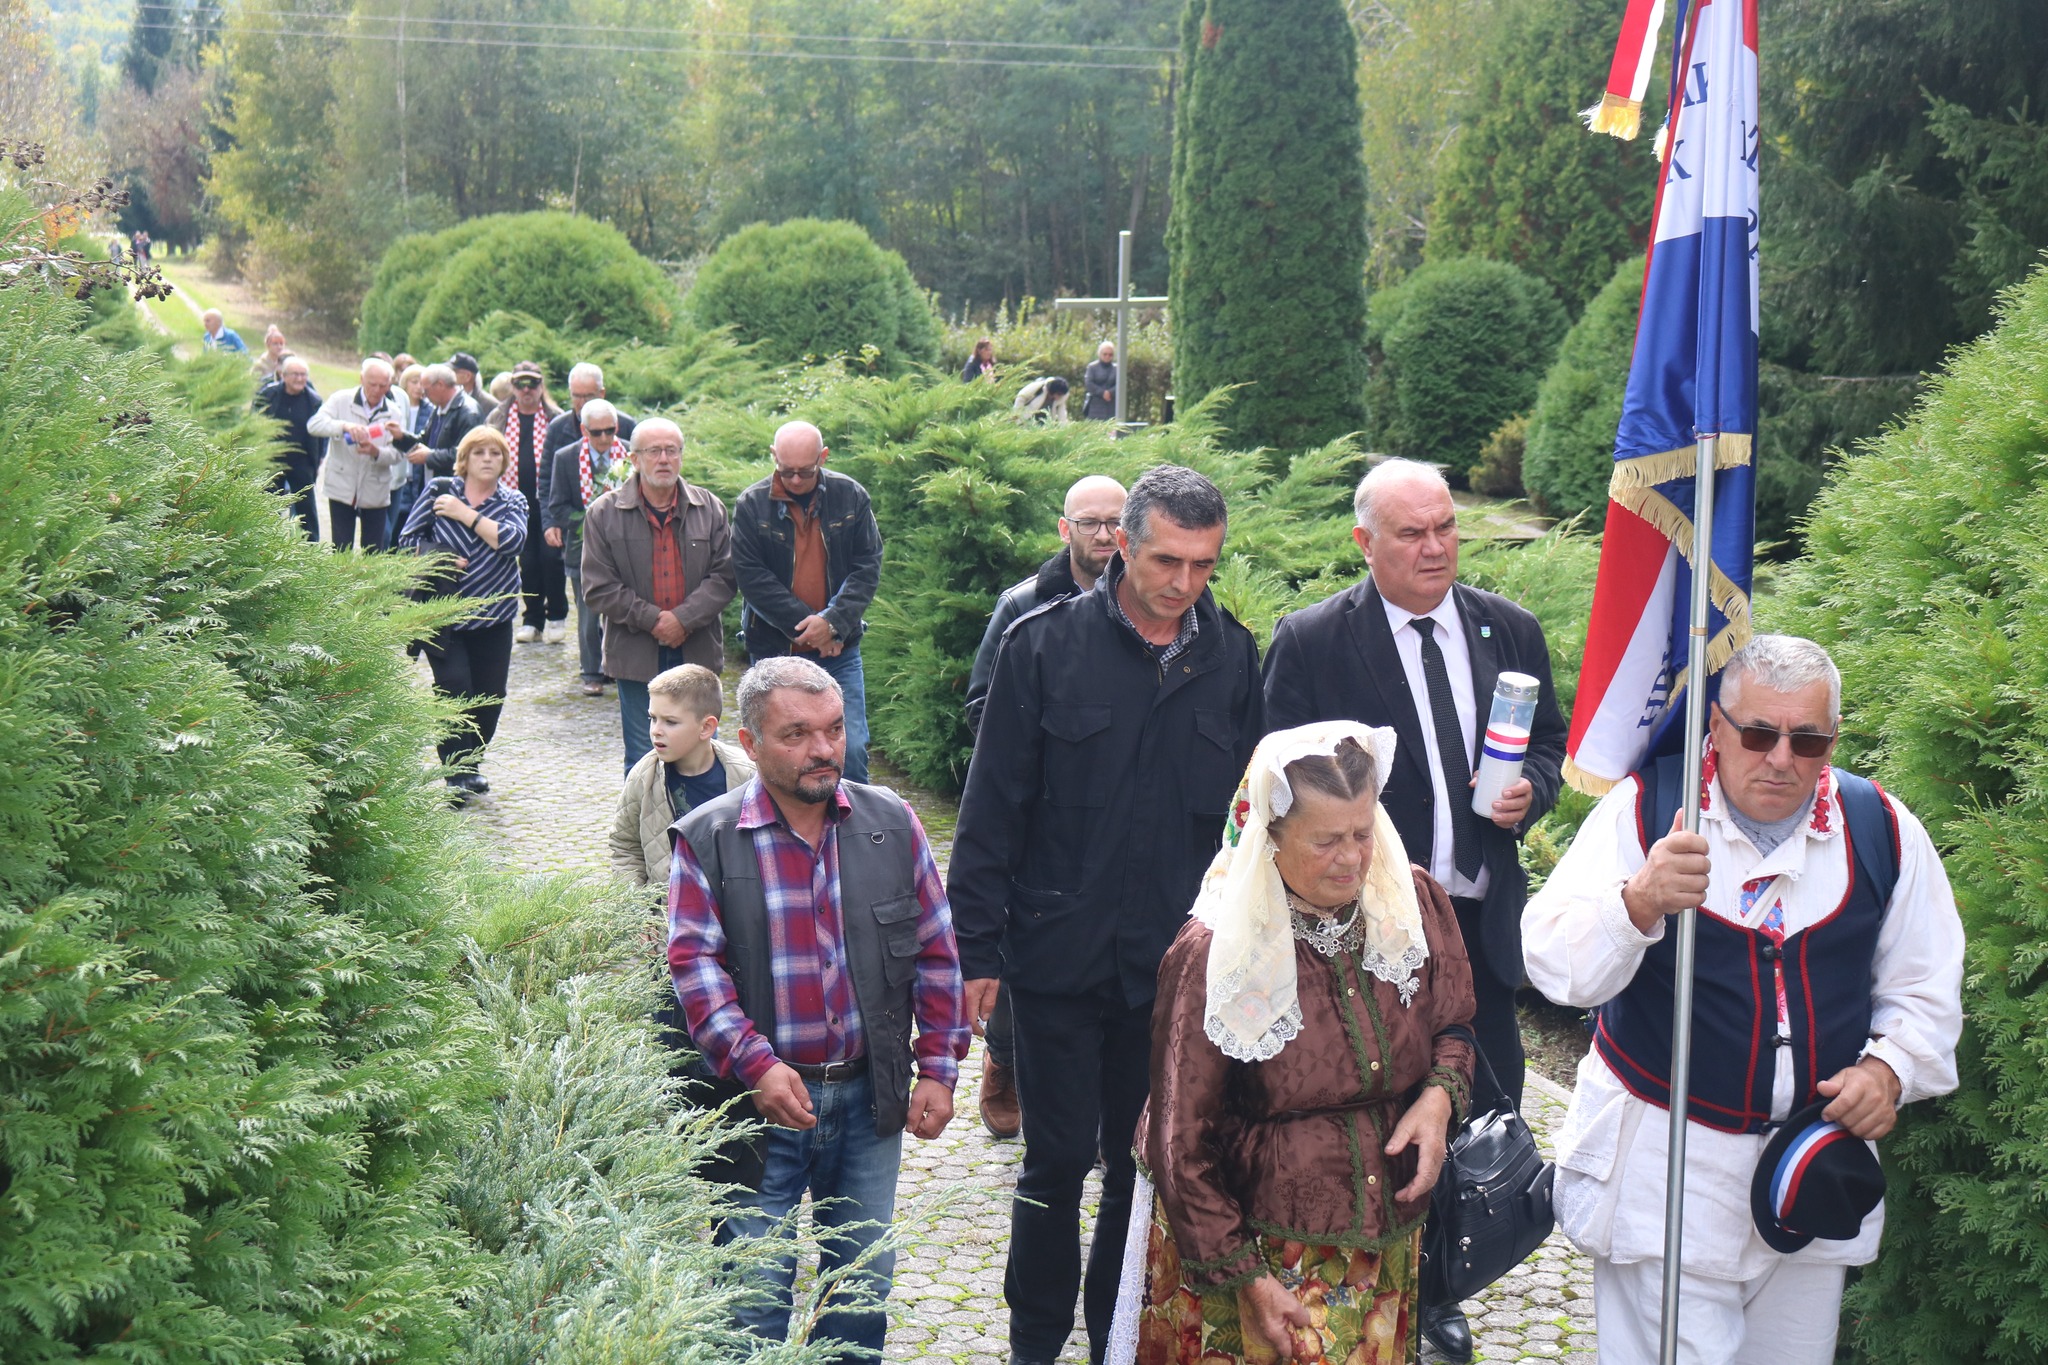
1581,948
359,475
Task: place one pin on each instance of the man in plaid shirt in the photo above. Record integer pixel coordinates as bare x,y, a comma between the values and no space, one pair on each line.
808,927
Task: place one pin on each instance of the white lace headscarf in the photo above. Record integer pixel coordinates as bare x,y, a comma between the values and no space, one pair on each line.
1252,1010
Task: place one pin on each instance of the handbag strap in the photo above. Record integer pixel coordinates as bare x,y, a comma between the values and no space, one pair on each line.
1497,1096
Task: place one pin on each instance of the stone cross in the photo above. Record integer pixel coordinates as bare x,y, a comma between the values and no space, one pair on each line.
1123,305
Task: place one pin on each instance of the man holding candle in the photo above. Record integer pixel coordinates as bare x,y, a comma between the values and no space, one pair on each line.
1412,648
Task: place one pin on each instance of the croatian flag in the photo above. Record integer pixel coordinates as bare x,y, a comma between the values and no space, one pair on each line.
1693,374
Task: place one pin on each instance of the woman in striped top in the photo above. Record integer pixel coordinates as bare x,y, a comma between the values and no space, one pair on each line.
479,525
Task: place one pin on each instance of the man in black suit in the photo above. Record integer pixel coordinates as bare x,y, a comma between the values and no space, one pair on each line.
1413,648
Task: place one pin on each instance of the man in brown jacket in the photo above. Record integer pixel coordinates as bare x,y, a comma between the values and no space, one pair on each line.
657,565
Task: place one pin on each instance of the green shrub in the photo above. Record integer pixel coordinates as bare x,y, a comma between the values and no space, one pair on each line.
232,1063
1031,341
1804,421
813,288
407,272
569,272
1267,234
693,367
1456,349
1498,472
1570,458
1924,575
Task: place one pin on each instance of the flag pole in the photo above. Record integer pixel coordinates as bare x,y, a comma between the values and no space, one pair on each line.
1681,996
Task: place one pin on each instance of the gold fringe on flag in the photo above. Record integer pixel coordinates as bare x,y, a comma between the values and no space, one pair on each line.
1592,784
1615,115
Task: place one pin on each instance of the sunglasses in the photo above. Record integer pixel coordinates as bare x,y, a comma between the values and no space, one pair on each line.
1761,739
600,431
526,383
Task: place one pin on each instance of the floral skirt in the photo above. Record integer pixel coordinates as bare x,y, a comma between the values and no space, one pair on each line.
1361,1305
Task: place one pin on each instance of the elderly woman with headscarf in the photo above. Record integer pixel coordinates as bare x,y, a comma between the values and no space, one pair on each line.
1310,1054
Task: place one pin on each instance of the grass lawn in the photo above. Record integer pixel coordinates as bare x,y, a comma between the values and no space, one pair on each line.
180,316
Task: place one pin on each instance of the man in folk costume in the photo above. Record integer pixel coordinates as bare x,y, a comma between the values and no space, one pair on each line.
595,462
543,584
1827,994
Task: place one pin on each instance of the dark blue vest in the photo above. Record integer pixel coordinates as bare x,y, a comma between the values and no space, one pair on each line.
1827,971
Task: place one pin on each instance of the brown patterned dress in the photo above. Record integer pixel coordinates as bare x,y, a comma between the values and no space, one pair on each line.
1279,1167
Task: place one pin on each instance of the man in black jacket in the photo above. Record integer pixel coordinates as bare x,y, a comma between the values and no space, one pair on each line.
291,399
1118,725
580,470
809,558
1413,648
450,415
586,381
1088,526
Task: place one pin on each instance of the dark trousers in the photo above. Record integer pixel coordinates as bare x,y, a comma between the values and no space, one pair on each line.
544,583
469,664
306,508
344,519
1001,1033
1493,1019
1082,1076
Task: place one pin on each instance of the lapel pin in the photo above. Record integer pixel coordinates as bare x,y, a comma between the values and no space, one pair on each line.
1486,632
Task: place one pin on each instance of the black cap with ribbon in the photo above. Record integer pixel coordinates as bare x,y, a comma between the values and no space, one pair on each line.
1815,1179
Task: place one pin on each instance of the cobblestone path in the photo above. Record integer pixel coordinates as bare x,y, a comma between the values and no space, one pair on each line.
555,771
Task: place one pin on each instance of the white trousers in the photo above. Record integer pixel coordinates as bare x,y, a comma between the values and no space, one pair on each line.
1786,1316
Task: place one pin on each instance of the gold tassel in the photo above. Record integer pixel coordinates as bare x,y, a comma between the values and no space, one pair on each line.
1592,784
1616,116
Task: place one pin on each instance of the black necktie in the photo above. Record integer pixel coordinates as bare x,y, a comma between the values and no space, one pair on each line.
1450,745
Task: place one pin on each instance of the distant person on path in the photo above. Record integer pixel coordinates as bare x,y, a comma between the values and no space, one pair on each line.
657,566
271,358
140,245
982,364
1088,527
446,414
688,767
1309,1056
524,421
582,469
478,522
466,369
293,401
218,336
1042,400
1099,379
809,559
1118,725
1827,991
359,425
405,489
808,929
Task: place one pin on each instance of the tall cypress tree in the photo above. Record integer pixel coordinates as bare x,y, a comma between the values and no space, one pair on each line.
1267,240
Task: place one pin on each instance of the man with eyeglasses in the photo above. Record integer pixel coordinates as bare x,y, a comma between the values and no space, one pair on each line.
658,567
524,423
1828,977
578,472
809,558
1093,508
586,381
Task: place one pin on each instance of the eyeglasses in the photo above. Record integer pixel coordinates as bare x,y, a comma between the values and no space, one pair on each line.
788,475
656,452
1093,526
527,383
600,431
1761,739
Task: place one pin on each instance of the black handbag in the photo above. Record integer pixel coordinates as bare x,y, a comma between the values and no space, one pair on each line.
1491,1208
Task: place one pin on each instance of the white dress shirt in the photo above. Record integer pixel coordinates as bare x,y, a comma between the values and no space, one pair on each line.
1581,948
1450,638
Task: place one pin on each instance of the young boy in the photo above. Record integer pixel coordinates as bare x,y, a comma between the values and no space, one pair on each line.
688,766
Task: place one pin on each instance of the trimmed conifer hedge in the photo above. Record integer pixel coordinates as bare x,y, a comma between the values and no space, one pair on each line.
1925,576
1570,457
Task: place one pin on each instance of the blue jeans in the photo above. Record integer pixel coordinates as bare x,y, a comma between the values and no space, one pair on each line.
851,1176
633,706
852,680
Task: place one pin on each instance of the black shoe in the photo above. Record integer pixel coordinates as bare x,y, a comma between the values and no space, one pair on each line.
472,783
458,795
1447,1330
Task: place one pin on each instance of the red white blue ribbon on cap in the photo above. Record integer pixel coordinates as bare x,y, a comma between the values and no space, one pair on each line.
1798,1158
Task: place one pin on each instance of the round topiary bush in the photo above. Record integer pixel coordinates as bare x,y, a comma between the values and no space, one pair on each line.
569,272
1456,349
813,288
409,269
1570,456
1926,574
